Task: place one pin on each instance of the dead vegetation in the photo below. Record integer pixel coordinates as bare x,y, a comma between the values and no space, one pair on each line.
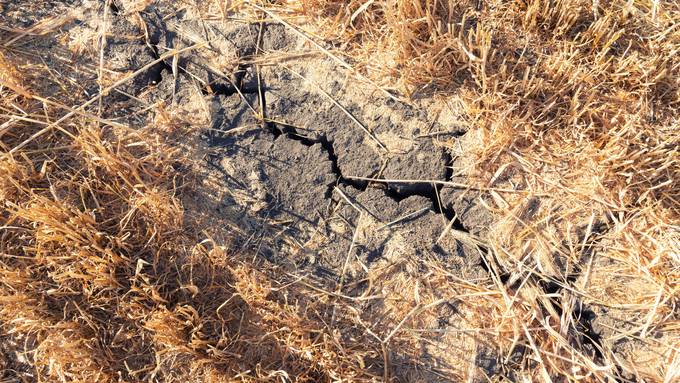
576,102
107,275
104,278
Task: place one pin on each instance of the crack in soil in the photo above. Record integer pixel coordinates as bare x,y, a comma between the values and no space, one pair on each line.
583,315
432,191
114,8
232,87
289,132
155,73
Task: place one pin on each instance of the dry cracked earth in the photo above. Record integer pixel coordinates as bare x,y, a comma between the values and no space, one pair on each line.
294,182
300,183
300,177
303,172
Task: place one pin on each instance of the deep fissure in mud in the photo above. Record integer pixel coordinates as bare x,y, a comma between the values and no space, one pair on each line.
429,191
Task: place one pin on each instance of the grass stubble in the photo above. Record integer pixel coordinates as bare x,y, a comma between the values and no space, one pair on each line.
107,273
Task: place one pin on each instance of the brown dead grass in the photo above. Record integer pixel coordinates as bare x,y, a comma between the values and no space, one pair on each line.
576,102
105,276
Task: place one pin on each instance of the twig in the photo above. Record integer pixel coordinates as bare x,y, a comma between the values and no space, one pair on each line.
341,284
440,182
404,217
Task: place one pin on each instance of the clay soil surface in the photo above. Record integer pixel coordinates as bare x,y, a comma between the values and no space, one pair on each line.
194,192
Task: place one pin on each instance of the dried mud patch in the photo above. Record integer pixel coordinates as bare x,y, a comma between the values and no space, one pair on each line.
303,170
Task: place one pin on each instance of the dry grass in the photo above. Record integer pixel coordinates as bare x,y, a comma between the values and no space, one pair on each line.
577,103
107,275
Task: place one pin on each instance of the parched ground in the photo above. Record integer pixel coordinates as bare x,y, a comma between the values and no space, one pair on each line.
213,192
